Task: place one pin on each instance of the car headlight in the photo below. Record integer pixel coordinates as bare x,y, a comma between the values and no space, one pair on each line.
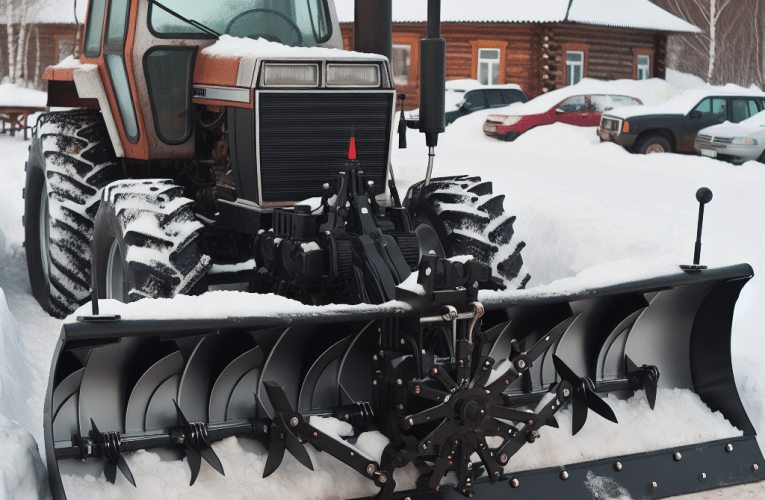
744,141
511,120
291,75
353,75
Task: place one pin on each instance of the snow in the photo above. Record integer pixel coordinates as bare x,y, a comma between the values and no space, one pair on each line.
229,46
652,91
15,95
685,102
590,213
69,62
637,14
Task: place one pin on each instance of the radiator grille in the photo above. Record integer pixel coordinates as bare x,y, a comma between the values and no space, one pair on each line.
304,140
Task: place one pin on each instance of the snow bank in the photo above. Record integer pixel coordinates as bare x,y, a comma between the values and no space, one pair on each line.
230,46
650,92
15,376
684,81
22,473
14,95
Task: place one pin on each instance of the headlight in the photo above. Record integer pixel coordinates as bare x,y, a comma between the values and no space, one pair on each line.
353,75
511,120
744,141
291,75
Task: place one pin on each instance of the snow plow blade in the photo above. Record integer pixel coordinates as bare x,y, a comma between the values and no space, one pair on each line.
468,402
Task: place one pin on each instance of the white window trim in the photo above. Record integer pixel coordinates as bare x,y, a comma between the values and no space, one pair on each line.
571,65
490,64
643,67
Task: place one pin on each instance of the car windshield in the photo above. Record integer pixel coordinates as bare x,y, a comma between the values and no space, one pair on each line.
601,103
300,23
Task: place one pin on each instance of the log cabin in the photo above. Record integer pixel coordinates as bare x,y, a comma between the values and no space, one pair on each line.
540,45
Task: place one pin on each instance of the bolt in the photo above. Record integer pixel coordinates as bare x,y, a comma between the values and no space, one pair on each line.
488,363
294,421
351,453
515,483
521,364
398,381
265,429
428,271
702,476
326,185
503,458
531,422
181,439
475,284
654,485
370,183
596,495
755,467
564,475
374,382
677,456
435,371
417,389
618,466
400,407
374,357
411,422
488,391
566,393
403,341
383,478
424,446
347,417
728,447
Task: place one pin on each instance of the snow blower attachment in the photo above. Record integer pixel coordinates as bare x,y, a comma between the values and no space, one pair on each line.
458,387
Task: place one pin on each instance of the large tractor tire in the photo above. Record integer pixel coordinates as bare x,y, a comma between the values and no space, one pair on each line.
70,160
462,216
146,242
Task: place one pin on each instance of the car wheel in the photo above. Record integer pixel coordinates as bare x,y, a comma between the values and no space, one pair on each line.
653,144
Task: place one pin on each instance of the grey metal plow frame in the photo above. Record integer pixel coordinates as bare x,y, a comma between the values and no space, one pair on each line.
680,323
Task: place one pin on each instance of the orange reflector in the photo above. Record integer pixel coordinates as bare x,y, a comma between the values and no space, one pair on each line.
626,127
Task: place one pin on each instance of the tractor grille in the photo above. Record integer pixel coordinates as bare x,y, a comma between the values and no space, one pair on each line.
304,139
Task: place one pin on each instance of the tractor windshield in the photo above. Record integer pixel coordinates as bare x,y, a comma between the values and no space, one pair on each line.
299,23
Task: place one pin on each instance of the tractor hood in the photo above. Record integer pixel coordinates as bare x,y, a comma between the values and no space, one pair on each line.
234,62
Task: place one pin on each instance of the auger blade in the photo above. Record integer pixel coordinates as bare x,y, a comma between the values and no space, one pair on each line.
599,405
112,456
648,376
579,416
275,451
195,463
565,372
552,422
212,458
650,393
110,472
294,445
123,467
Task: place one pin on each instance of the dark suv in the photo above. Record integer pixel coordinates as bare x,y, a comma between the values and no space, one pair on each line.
672,126
494,96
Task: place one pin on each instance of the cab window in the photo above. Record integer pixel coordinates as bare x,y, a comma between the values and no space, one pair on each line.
743,108
475,100
712,108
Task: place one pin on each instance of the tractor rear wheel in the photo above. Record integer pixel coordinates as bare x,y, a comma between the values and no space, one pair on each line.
70,160
461,216
146,242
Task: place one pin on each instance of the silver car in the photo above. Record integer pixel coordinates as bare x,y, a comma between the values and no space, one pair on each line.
734,142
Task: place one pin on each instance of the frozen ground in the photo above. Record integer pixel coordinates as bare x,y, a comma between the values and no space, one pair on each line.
584,208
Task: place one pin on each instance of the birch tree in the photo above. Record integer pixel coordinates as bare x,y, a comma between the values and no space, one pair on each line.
9,21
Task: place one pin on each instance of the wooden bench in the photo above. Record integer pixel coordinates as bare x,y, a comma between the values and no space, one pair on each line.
16,117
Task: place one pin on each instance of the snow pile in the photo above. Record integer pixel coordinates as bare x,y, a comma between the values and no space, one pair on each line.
69,62
685,102
229,46
22,473
684,81
650,92
14,95
15,377
679,418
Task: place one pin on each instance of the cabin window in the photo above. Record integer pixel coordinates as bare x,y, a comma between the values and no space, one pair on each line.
488,66
643,67
574,67
402,63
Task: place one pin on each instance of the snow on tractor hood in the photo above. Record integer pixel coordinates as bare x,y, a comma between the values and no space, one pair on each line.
234,47
231,61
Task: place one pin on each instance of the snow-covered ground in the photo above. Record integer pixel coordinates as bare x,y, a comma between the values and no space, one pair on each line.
583,207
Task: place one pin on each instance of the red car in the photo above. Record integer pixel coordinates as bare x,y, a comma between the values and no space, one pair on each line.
583,110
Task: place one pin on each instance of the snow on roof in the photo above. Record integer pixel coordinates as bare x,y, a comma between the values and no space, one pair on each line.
52,12
636,14
231,46
685,102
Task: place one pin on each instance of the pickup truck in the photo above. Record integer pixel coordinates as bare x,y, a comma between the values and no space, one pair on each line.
673,125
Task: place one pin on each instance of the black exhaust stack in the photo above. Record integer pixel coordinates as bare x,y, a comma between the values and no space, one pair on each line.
432,77
373,27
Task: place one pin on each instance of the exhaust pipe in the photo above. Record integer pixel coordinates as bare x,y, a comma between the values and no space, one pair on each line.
373,27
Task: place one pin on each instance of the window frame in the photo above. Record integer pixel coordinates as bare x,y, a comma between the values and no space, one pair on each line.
489,44
413,40
642,52
576,47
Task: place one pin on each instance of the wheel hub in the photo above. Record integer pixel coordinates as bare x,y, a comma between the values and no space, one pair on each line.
470,411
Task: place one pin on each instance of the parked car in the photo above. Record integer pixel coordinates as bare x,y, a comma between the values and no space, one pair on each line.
466,96
734,142
672,126
583,110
